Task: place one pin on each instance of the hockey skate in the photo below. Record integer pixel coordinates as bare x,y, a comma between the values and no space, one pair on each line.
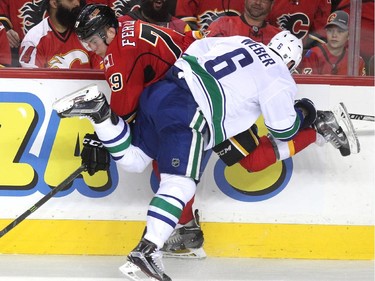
335,126
87,102
186,242
145,263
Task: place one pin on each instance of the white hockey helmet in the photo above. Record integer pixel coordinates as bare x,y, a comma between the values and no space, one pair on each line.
288,47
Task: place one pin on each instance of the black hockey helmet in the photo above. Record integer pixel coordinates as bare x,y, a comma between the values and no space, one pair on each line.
93,19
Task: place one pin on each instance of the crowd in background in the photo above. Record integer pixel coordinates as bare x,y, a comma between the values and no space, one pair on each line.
40,33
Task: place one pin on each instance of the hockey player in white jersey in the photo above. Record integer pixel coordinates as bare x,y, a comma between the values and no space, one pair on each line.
211,96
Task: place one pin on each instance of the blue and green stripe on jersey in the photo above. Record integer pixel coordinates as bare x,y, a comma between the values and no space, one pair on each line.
117,146
288,133
197,125
161,209
214,94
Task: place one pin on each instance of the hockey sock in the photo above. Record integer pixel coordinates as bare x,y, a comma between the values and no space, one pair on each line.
166,207
262,157
286,149
267,152
303,139
187,213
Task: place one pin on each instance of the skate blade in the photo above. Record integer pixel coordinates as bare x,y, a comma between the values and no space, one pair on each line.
343,118
133,272
186,254
85,94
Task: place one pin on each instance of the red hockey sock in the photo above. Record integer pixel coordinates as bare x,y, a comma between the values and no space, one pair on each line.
303,139
187,213
262,157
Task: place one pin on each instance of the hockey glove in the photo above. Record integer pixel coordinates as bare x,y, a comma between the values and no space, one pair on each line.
238,147
308,110
94,155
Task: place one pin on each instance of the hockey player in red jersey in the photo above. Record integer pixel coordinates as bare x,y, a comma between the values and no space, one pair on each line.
137,54
53,44
157,12
149,51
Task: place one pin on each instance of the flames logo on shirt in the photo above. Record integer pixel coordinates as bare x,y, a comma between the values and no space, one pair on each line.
121,7
210,16
298,24
67,60
31,14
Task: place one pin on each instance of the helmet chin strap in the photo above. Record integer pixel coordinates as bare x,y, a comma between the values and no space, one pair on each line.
291,64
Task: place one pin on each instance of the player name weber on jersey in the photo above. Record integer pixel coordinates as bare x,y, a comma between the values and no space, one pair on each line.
259,51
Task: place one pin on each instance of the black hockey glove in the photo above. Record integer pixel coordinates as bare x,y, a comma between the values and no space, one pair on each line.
238,147
94,155
308,110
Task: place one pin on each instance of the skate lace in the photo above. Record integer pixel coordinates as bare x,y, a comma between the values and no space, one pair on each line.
174,238
336,138
157,260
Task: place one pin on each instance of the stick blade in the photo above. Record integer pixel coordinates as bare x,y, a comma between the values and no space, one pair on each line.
343,118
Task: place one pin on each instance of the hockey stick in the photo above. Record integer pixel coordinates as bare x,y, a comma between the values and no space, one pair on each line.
362,117
48,196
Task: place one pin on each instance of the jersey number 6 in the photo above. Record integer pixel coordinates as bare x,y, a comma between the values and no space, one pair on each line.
224,65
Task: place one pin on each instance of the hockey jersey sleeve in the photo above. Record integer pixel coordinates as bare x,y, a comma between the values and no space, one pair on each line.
310,62
5,54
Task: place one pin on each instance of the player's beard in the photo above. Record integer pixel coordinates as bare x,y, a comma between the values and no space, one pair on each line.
161,15
67,17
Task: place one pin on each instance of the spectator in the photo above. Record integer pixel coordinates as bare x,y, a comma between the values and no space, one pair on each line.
18,17
332,57
251,23
53,44
157,12
199,14
305,19
5,55
367,29
120,7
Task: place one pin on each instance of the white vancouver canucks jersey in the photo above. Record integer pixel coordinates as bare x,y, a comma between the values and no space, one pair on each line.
234,80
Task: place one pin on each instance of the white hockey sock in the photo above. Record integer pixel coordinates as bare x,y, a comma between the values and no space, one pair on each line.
166,207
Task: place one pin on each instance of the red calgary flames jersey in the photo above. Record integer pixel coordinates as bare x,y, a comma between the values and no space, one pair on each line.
5,55
301,17
318,60
229,26
21,15
44,47
367,26
204,12
140,55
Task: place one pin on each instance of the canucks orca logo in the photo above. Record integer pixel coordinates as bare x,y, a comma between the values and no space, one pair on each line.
210,16
297,23
31,14
121,7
